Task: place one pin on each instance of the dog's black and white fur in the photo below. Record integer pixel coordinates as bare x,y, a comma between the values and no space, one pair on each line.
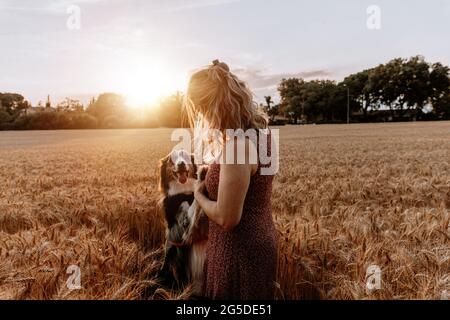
187,225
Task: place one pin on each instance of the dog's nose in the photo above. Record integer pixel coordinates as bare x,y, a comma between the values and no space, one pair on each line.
181,166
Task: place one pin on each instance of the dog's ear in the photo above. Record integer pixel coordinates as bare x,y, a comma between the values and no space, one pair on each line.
162,182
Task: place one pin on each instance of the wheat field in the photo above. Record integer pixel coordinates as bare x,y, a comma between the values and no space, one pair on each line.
346,197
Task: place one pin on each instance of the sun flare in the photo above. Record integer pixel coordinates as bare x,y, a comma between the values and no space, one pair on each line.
143,92
144,83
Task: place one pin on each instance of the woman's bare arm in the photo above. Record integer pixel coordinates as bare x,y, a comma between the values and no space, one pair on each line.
234,181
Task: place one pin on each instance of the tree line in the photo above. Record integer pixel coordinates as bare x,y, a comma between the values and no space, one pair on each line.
402,89
107,111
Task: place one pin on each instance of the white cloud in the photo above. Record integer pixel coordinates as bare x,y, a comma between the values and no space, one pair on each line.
258,79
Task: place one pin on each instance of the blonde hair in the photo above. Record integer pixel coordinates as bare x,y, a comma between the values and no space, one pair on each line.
217,99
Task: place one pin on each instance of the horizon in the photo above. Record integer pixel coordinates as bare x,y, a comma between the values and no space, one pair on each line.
147,50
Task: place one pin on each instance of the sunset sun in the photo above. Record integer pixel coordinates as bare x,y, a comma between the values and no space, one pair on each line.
143,91
144,83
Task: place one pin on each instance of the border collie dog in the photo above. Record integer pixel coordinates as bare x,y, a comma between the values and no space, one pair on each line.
187,225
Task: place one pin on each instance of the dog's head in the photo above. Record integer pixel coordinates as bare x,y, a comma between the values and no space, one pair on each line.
177,171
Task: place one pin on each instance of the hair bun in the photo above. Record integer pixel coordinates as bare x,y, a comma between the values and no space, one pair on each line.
222,65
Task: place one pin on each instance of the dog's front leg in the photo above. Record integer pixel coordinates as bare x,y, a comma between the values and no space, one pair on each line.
193,215
165,273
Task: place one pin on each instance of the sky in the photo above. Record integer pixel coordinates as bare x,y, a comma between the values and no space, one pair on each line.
148,48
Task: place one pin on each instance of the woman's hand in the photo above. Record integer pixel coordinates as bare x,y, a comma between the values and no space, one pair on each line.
233,186
199,189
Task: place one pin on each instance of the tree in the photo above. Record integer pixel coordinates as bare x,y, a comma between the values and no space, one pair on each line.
408,84
272,111
70,105
22,107
312,106
5,119
106,107
335,102
384,86
268,101
13,102
416,89
324,100
82,120
317,100
440,87
292,97
171,111
91,102
12,105
441,107
363,90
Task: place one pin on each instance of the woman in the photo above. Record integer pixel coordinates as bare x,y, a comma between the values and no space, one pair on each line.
241,254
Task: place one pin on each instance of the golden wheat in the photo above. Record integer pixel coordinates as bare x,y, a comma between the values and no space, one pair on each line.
346,197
